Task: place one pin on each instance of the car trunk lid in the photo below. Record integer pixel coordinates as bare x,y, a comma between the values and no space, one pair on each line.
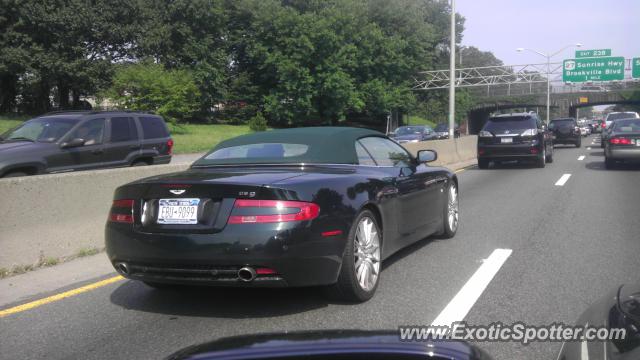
204,196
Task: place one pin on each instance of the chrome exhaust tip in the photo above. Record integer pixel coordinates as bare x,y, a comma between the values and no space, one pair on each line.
246,274
122,268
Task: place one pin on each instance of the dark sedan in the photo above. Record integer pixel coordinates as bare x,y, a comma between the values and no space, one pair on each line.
295,207
414,133
623,142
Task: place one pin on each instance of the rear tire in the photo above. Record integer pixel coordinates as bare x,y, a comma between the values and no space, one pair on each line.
360,272
483,164
609,163
451,212
549,158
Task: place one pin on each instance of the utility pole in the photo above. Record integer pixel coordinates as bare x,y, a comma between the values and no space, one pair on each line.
452,72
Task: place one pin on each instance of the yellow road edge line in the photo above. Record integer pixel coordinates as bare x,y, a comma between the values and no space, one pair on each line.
460,170
57,297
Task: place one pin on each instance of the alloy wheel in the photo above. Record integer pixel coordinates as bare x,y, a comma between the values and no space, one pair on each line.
453,208
367,254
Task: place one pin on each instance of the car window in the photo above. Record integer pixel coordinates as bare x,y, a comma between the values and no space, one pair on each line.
630,125
385,152
42,129
153,128
501,124
363,156
259,151
562,124
92,131
410,130
123,129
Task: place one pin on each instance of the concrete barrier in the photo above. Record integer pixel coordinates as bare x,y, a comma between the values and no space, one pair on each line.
53,216
449,151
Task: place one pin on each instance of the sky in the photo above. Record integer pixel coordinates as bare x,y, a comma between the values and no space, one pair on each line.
501,26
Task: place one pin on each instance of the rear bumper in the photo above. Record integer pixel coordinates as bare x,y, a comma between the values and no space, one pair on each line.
629,153
572,139
509,152
297,255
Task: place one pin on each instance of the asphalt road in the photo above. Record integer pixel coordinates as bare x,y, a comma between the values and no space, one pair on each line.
570,244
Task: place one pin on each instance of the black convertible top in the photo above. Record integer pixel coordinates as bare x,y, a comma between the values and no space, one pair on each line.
326,145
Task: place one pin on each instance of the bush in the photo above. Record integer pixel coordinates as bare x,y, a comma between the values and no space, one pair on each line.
146,86
258,123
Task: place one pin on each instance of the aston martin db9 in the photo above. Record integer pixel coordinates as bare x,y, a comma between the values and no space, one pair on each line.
295,207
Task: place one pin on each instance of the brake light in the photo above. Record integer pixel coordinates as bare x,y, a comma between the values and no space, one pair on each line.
170,145
270,211
603,125
621,141
122,211
533,150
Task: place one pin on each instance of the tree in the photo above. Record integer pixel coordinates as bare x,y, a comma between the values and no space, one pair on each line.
149,87
188,34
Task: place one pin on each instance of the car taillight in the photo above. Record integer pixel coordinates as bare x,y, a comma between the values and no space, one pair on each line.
170,145
122,211
603,125
270,211
620,141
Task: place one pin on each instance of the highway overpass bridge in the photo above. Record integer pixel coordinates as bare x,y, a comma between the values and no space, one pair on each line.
524,88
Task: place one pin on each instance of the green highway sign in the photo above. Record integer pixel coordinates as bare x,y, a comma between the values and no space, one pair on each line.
635,68
592,53
593,69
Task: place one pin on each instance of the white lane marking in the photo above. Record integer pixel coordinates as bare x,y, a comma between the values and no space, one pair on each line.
464,300
584,348
589,148
581,157
563,179
560,352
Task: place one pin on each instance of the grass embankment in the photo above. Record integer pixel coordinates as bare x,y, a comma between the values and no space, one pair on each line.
188,138
193,138
417,120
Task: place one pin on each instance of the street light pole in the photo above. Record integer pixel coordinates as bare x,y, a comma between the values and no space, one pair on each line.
548,87
548,56
452,71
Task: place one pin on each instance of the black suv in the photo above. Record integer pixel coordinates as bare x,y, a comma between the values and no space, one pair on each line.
69,141
521,137
566,131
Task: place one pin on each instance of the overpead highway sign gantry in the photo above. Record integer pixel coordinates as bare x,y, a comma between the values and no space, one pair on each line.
593,69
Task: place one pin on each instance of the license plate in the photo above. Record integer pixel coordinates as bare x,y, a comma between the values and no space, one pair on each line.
178,211
506,140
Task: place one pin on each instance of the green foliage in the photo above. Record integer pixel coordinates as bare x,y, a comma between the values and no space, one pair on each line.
258,123
297,62
149,87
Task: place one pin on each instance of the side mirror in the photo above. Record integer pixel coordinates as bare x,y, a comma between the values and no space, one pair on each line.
72,143
425,156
